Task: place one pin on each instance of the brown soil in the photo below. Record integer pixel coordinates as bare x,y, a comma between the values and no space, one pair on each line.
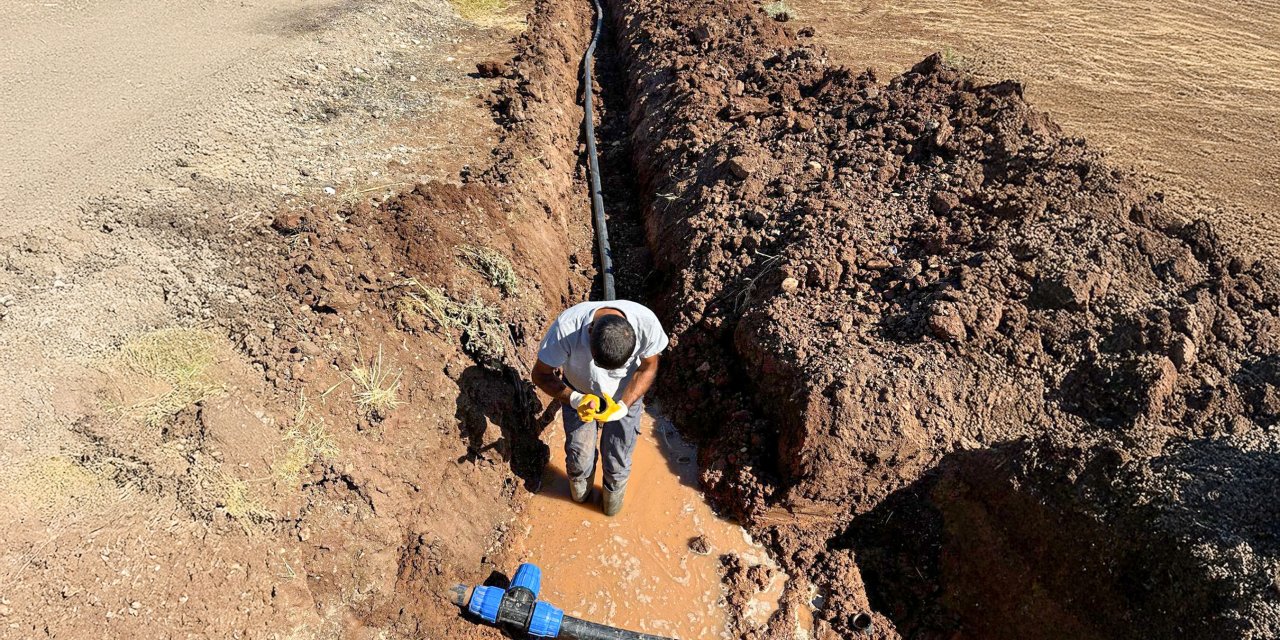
1185,91
442,479
928,340
951,367
240,515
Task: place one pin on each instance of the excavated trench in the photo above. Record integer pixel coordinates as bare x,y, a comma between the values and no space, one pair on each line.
951,365
946,363
639,570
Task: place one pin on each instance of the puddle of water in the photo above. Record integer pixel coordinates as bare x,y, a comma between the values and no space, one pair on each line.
635,570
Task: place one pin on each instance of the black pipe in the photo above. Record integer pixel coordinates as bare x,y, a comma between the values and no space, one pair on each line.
593,162
575,629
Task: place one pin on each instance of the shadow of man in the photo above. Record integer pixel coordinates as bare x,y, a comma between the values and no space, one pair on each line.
504,398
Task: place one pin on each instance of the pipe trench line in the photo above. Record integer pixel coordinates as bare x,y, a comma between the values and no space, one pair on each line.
593,162
517,608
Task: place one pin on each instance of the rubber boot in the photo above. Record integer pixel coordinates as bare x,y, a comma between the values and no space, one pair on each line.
579,489
612,502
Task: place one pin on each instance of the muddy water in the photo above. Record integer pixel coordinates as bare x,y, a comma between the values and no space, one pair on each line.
635,570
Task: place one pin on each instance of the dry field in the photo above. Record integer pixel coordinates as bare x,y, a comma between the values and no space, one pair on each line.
1187,92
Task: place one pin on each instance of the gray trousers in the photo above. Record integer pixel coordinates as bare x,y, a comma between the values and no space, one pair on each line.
617,440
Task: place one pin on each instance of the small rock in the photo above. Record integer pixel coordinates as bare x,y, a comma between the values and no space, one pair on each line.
288,222
741,167
911,269
329,191
1183,352
947,327
943,202
789,285
700,545
491,69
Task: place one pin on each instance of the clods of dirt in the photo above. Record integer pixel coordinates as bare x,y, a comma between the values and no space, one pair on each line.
700,545
491,69
925,339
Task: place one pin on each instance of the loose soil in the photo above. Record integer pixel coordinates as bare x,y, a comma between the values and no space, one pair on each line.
949,366
926,339
224,478
1184,91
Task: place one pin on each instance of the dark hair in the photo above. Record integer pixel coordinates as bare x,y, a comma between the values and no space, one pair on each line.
612,341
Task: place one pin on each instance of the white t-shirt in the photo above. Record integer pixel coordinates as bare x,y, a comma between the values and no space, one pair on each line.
567,346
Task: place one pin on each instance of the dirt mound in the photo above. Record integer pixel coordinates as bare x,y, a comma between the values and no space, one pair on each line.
459,281
921,294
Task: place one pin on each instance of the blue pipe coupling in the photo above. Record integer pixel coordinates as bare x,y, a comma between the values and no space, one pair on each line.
517,610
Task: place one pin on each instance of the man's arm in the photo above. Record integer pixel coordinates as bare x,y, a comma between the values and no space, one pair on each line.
545,378
641,380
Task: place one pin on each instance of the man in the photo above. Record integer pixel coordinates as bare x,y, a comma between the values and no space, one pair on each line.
606,354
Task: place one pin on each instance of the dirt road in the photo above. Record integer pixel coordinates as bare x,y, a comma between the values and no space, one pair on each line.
1185,91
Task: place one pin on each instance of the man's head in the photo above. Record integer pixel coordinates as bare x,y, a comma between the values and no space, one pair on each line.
612,341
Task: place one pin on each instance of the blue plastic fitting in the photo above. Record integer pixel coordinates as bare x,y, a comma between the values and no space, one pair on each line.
485,602
545,621
528,576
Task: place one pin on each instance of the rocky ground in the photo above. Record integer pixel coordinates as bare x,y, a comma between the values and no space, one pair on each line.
204,428
268,350
916,295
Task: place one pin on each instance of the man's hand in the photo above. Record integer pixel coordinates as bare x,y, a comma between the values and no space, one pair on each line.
587,405
612,410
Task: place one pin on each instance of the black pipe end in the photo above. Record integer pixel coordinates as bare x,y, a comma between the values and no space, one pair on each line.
862,622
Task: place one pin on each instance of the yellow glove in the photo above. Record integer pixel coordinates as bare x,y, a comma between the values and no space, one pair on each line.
587,405
612,410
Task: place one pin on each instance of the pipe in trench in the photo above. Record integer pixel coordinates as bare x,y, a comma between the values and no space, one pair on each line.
517,609
593,161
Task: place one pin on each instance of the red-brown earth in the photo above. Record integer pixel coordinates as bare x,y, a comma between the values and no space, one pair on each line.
956,368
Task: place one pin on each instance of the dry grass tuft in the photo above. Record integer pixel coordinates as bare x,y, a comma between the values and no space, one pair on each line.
181,360
309,441
779,8
489,13
494,266
51,484
377,389
427,302
484,334
240,503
